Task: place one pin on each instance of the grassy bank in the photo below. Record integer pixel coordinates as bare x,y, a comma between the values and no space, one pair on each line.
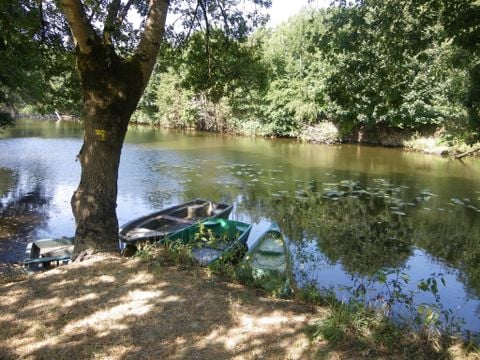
114,308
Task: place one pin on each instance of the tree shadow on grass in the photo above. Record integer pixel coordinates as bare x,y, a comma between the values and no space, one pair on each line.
116,308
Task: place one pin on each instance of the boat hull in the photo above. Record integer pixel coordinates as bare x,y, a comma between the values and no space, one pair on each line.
157,225
267,264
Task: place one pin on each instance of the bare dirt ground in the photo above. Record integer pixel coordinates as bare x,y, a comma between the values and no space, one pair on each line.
113,308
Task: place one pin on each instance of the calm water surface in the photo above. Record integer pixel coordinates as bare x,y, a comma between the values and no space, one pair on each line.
350,212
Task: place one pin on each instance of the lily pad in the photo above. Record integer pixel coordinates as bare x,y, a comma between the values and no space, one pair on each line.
457,201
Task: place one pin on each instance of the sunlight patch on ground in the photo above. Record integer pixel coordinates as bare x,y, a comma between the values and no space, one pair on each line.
105,279
35,337
11,296
253,330
136,303
141,278
72,302
44,306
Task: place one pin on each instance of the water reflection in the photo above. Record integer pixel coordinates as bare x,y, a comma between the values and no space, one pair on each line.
349,212
23,209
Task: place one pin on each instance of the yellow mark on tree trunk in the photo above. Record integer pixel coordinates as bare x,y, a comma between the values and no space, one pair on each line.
101,134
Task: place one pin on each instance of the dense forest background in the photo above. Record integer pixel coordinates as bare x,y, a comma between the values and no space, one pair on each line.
390,67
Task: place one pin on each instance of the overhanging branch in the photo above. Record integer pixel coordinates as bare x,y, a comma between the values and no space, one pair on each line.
110,22
82,31
147,49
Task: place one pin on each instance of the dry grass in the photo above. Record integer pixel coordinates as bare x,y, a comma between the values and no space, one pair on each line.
112,308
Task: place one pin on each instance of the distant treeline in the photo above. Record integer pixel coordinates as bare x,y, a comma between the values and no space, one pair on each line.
388,67
395,64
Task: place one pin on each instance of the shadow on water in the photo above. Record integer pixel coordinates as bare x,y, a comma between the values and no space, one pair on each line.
23,209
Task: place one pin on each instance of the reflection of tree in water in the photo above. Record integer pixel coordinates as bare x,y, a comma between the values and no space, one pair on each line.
6,180
21,212
454,239
365,239
363,235
368,231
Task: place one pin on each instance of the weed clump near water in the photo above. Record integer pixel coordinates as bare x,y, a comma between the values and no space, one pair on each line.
354,326
167,254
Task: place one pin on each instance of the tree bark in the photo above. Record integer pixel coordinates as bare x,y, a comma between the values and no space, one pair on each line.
112,87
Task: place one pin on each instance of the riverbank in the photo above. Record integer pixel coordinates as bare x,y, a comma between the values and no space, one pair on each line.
442,141
432,141
109,307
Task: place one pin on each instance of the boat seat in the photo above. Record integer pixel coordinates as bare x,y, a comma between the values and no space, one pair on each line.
271,252
199,210
176,219
48,259
59,252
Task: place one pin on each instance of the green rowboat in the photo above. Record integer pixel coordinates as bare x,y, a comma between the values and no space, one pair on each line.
214,239
266,263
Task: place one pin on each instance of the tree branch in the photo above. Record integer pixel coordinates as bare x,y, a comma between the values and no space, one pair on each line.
82,31
207,35
123,13
110,22
147,49
224,15
192,24
42,19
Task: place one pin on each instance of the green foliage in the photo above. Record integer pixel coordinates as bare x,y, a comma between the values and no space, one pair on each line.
296,95
36,61
206,87
394,64
383,330
6,119
222,67
175,104
312,295
460,18
384,75
347,321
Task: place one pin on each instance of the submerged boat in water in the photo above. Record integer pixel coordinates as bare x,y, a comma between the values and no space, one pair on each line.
42,253
214,240
267,264
156,226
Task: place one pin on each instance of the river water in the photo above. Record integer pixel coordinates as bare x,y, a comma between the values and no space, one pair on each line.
361,221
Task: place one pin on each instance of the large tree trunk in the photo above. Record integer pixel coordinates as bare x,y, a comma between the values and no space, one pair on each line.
111,88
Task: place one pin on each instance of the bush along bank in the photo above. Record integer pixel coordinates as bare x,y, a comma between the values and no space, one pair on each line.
436,141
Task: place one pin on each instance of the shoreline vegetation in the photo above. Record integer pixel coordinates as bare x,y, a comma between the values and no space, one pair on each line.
436,141
432,142
344,74
159,305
